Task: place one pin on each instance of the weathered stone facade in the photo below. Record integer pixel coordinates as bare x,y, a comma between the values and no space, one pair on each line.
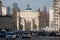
29,20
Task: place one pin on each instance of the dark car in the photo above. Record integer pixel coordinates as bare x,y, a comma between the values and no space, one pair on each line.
18,33
34,33
41,33
52,33
58,34
2,34
46,33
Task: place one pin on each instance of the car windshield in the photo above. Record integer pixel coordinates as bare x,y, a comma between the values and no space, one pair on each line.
25,32
10,33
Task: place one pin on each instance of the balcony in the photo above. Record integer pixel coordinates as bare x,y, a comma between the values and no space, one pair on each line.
55,19
56,16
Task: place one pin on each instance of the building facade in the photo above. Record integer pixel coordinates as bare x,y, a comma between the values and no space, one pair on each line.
44,18
4,11
51,16
28,20
14,14
56,7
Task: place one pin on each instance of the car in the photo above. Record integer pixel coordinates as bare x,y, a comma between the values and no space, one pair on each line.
55,33
10,35
41,33
18,33
58,34
2,34
52,33
46,33
34,33
26,34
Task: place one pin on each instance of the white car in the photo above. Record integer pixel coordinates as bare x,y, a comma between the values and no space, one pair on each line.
10,35
26,34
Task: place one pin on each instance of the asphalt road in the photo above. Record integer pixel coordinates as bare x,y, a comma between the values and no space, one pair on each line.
35,38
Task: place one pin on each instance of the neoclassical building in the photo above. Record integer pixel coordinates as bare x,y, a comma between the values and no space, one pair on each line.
28,20
56,14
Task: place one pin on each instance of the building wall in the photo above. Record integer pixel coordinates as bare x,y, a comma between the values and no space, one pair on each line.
29,14
51,17
44,19
0,7
6,22
56,6
14,16
4,11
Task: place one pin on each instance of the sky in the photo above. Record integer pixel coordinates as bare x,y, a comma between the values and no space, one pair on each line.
34,4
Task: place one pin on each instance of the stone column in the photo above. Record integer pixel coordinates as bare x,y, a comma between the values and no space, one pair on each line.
17,23
18,20
23,25
31,25
37,23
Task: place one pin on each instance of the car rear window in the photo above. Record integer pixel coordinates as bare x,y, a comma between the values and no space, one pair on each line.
25,32
10,33
2,32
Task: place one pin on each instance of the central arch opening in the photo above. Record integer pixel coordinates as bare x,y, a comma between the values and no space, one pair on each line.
28,26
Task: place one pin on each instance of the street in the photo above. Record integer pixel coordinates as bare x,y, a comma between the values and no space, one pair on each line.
35,38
